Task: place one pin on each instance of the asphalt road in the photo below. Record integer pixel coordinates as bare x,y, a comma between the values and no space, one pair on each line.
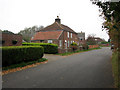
90,69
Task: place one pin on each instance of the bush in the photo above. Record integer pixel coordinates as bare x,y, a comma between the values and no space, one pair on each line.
85,46
74,44
14,42
17,54
48,48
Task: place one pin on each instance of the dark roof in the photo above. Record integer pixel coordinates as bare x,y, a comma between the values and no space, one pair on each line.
57,26
47,35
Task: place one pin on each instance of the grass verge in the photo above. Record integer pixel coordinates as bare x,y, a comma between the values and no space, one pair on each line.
116,68
69,53
23,64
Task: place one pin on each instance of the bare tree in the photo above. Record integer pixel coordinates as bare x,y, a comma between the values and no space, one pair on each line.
27,33
90,39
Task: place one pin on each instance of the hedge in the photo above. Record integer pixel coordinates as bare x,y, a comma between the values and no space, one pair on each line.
48,47
17,54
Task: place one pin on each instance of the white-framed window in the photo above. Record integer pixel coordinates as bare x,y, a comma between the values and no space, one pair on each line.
65,44
71,35
68,34
50,41
71,42
60,43
68,43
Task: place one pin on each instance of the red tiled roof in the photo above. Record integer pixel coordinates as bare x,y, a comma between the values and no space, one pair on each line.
57,26
47,35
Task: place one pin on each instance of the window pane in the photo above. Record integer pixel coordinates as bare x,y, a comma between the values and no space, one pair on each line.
49,41
68,34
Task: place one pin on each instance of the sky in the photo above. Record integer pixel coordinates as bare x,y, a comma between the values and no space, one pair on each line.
79,15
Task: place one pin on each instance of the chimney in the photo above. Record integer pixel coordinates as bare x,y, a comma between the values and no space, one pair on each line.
58,20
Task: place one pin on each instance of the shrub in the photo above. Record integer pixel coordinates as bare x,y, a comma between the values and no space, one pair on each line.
74,44
17,54
14,42
85,46
48,48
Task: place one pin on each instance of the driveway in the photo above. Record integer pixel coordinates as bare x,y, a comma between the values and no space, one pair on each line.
52,57
90,69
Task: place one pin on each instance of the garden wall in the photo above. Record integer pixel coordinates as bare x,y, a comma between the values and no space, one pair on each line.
93,46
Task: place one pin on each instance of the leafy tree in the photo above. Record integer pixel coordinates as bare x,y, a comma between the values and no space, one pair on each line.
104,42
27,33
110,11
6,31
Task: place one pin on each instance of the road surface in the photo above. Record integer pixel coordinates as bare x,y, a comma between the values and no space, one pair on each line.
90,69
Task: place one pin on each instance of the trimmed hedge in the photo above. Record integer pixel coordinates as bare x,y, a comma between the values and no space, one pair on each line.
16,54
48,47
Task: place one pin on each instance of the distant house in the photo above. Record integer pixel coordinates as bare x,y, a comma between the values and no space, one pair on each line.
81,37
98,40
10,39
57,33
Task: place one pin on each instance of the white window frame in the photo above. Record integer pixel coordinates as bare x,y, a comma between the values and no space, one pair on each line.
65,44
68,34
50,41
71,35
60,43
68,43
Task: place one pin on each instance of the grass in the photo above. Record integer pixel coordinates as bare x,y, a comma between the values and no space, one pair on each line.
116,68
22,64
69,53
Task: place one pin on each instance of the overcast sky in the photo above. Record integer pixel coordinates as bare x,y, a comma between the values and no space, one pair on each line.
80,15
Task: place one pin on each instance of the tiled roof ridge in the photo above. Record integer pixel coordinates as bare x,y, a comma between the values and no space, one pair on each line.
68,28
59,25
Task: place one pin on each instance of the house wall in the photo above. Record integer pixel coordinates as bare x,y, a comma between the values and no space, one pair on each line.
7,38
63,37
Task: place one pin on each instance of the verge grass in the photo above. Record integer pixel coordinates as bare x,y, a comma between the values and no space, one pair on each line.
116,68
78,51
22,64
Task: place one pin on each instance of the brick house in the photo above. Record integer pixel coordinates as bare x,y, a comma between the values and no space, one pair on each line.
98,40
57,33
9,39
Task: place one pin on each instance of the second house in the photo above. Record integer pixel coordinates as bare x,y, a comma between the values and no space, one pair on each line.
57,33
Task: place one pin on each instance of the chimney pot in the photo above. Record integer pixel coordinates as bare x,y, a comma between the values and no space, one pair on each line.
58,20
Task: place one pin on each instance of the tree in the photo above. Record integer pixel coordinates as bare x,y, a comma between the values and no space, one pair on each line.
90,39
27,33
110,11
6,31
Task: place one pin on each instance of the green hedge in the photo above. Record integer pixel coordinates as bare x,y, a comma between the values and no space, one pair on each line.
17,54
48,48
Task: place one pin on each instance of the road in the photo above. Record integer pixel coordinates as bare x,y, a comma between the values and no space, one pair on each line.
90,69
